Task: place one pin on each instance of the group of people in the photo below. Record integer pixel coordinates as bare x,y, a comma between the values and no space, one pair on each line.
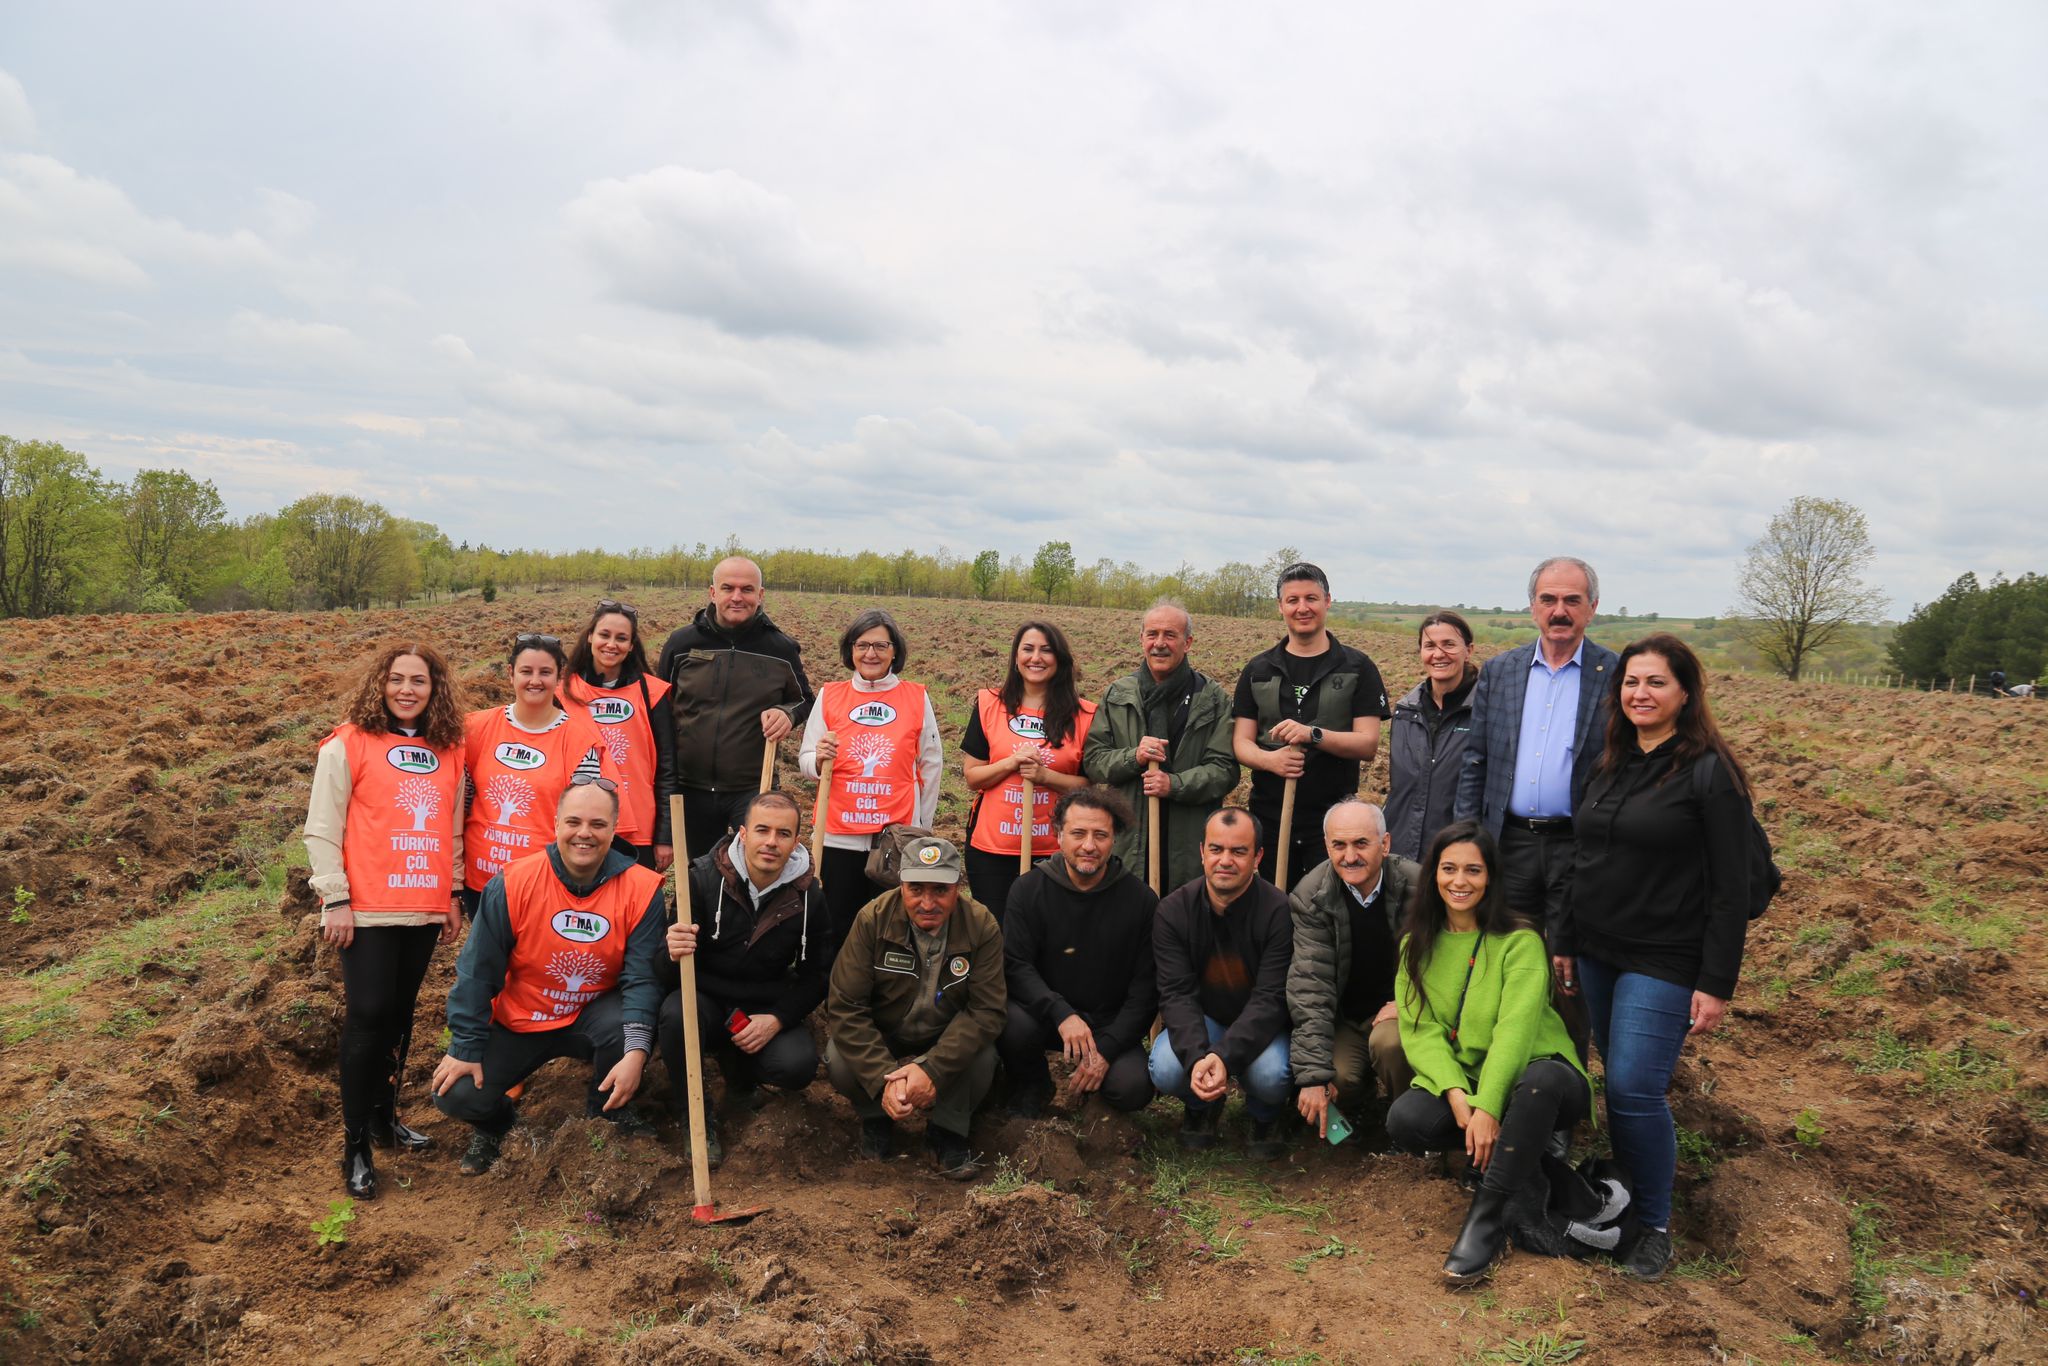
1560,867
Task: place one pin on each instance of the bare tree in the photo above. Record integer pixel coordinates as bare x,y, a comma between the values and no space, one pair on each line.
1802,582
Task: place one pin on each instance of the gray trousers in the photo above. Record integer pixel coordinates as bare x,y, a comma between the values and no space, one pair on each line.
956,1104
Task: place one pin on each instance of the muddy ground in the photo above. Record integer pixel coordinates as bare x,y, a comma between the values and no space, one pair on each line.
1862,1148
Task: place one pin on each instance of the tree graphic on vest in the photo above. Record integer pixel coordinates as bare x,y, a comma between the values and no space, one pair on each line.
511,796
574,968
618,745
421,798
870,751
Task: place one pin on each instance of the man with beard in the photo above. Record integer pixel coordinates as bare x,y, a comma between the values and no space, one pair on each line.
1539,724
1077,949
738,684
1167,714
1222,944
1340,988
560,963
914,1008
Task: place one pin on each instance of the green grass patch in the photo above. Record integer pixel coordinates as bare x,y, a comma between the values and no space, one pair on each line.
1544,1349
1706,1267
1888,1053
1868,1266
1965,1067
1860,982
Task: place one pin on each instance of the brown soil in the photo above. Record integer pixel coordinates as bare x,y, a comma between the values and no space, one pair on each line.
1862,1171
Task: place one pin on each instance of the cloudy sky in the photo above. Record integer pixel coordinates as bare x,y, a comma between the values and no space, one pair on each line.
1427,291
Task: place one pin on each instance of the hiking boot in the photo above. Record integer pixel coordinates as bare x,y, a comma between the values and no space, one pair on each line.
1267,1143
955,1159
1481,1242
1198,1127
481,1154
387,1130
1029,1101
1651,1256
878,1138
628,1122
358,1172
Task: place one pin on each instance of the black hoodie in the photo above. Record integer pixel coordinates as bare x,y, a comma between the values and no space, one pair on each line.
1070,952
723,681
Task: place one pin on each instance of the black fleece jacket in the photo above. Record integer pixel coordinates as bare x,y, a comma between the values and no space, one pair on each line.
1070,952
1230,967
775,961
723,681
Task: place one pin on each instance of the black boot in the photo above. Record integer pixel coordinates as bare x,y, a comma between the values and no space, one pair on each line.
1482,1241
387,1130
358,1172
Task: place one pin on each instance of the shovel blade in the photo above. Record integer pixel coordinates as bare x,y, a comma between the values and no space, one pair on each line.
711,1214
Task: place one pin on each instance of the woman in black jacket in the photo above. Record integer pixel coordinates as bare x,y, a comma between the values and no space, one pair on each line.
1652,931
1430,728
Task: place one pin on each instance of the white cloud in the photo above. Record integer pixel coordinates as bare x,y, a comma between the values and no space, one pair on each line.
17,118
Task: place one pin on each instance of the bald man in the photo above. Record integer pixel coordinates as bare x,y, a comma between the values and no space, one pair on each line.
739,685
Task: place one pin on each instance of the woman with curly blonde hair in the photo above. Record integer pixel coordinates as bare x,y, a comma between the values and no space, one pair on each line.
384,837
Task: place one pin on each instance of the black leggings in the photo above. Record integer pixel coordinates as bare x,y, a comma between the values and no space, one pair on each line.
990,877
381,972
1026,1040
847,889
709,818
1550,1095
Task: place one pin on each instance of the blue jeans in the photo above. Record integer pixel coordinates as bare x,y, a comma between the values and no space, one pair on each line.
1265,1082
1639,1024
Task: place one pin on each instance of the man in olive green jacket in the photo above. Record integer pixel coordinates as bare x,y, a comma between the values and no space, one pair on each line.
916,1002
1164,712
1340,987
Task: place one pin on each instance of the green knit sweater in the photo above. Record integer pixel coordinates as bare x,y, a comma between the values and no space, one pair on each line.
1506,1022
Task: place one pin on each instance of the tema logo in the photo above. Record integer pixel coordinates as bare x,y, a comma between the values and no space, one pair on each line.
512,754
412,759
1030,727
872,714
584,927
610,711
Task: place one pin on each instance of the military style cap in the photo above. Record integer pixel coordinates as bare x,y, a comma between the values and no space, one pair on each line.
930,859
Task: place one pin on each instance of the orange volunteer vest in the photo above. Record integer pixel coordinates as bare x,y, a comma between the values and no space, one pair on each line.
518,778
398,842
874,776
624,716
566,949
996,810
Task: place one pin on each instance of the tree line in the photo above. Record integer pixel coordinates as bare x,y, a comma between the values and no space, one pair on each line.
73,541
1974,628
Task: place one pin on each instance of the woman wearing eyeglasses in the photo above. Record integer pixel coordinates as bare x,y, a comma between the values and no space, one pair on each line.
520,760
608,678
881,737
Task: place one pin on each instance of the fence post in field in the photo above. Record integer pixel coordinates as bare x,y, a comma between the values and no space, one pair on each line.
1972,689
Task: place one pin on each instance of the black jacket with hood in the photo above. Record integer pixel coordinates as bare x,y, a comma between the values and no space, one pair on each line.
723,681
1070,952
775,960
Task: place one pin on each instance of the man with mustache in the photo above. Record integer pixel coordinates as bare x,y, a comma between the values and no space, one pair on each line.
1340,987
1164,713
1539,723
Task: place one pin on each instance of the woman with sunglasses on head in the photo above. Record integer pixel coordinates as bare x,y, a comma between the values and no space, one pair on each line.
384,838
1034,726
1495,1069
1652,931
881,737
521,758
608,677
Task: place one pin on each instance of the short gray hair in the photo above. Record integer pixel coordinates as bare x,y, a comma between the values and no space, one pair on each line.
1592,579
1187,618
1379,817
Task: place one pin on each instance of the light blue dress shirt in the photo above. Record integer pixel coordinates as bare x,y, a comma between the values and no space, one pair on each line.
1543,749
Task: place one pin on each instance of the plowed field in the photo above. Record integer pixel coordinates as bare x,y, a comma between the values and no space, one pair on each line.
1862,1148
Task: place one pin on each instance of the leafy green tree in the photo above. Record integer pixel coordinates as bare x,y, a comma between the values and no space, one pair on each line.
336,545
170,530
1920,647
988,567
53,522
1803,581
1052,568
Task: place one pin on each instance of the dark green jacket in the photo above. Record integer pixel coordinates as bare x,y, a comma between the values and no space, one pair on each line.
875,981
1202,765
1322,959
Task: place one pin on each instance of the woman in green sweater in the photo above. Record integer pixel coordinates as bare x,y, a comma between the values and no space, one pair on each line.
1492,1060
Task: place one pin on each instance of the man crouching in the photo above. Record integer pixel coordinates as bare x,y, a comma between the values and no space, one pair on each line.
916,1002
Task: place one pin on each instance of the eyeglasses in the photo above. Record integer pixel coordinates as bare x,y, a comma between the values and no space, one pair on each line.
530,640
592,780
870,647
608,605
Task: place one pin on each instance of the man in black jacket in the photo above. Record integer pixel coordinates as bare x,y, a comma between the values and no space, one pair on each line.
1077,949
764,953
739,685
1222,945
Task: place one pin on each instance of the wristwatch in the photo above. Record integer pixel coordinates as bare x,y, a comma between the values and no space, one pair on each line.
1315,735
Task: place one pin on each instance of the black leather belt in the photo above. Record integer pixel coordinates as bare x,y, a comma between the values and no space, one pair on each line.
1540,825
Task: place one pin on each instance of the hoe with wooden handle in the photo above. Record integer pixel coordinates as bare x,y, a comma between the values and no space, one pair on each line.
1024,838
1286,832
1152,839
818,822
704,1212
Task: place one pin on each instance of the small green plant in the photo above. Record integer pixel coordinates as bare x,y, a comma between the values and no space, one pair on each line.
1861,982
23,899
331,1229
1807,1128
1009,1176
1332,1247
1867,1269
1544,1349
1136,1263
1706,1267
597,1140
1696,1148
721,1268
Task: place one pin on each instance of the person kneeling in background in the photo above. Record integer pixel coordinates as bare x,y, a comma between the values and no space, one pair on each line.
916,1001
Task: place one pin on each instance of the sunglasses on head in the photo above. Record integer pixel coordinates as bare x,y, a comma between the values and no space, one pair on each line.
529,640
592,780
610,605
